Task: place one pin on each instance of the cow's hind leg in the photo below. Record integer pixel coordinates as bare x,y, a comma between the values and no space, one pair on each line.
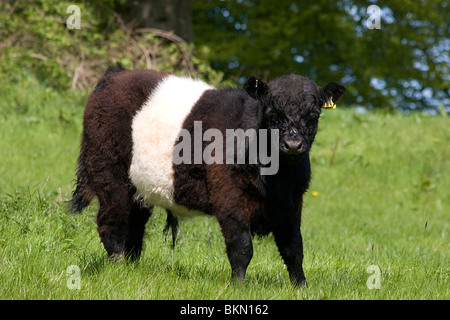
138,218
121,222
112,229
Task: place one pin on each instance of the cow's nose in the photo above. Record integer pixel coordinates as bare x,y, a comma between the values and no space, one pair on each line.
293,146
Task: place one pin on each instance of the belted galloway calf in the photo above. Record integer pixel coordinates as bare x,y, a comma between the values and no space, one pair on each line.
241,155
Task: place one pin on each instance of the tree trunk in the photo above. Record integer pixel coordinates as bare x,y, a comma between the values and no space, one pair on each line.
168,15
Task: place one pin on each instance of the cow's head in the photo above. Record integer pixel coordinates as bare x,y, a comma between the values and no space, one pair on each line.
292,104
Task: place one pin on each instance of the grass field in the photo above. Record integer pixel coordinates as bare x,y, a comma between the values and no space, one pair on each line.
378,206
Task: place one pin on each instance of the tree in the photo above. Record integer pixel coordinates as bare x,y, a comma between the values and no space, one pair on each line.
169,15
38,38
403,64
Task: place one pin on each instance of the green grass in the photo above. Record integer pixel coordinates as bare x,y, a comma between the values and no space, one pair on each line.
379,196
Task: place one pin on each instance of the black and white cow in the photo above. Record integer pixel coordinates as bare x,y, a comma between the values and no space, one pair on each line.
135,120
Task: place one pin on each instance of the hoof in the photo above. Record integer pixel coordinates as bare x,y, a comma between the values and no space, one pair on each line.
117,257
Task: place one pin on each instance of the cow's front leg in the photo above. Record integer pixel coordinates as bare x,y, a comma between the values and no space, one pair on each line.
289,241
238,241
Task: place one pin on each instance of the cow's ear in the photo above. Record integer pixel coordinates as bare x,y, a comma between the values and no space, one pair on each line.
256,88
333,91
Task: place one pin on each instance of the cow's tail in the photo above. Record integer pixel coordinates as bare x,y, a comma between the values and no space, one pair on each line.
82,195
171,223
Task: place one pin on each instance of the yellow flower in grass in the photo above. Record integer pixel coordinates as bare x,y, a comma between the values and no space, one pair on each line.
315,193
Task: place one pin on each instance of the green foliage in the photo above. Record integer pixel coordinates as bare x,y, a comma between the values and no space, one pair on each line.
404,64
34,36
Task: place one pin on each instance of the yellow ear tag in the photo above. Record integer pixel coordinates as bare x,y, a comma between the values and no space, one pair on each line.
330,104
